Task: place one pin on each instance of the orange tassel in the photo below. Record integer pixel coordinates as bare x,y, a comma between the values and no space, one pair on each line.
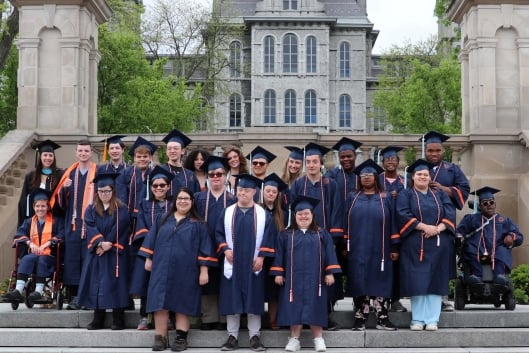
105,151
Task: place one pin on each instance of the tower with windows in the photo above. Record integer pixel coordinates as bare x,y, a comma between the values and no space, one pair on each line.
300,64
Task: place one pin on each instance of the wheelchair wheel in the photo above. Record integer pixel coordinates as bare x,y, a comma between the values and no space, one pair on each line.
59,300
459,295
14,306
510,301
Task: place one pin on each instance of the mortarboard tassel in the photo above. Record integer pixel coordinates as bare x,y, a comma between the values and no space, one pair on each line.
147,189
36,156
27,206
475,205
406,177
423,141
382,265
105,151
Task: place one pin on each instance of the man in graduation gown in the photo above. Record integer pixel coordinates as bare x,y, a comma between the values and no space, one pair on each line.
243,237
114,148
488,235
176,147
260,159
343,174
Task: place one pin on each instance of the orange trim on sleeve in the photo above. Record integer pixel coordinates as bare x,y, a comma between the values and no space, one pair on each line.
334,230
141,231
148,251
459,195
270,250
445,220
277,269
346,236
221,245
207,258
119,246
407,225
331,267
395,236
98,236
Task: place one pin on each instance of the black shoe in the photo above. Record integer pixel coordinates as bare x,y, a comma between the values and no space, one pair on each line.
385,324
131,306
447,306
179,344
256,345
34,296
230,345
14,296
360,324
98,322
208,326
397,307
73,305
118,319
160,343
331,325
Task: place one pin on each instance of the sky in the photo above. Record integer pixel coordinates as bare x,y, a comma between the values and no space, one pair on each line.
398,21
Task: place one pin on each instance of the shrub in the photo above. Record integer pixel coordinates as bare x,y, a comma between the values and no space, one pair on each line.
520,279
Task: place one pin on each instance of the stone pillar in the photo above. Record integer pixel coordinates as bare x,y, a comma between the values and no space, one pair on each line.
495,92
58,58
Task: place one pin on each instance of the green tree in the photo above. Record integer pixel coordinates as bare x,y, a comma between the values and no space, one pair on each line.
419,89
9,18
9,93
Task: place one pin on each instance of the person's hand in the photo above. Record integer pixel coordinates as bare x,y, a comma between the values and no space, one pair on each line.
203,278
430,230
148,265
105,245
257,264
329,280
280,280
508,241
394,256
67,183
229,255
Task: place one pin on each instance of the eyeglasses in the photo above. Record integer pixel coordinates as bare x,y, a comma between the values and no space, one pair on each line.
158,186
260,164
183,199
104,192
215,175
488,203
365,175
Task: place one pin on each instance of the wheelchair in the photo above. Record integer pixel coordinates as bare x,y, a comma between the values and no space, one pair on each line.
486,291
53,286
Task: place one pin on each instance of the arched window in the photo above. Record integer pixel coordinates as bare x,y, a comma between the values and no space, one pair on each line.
235,59
345,60
269,56
310,107
345,111
290,107
311,54
290,53
235,110
290,4
270,107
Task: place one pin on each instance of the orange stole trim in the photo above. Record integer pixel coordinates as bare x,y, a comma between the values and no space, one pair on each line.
459,195
449,222
330,267
221,245
407,225
270,250
46,232
91,243
148,251
277,269
207,258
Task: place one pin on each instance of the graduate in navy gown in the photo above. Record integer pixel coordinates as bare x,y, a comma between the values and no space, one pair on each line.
210,205
177,251
104,279
392,183
292,170
113,148
449,178
426,219
488,236
372,243
151,208
343,174
260,159
304,266
37,234
243,240
237,165
74,193
176,143
329,213
273,187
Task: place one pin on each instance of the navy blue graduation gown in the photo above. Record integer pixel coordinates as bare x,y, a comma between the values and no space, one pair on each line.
109,168
212,217
489,239
149,213
372,233
130,187
177,251
304,259
396,185
104,279
450,175
244,291
429,273
345,181
182,178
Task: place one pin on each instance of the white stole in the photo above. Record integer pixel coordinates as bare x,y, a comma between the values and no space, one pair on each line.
260,227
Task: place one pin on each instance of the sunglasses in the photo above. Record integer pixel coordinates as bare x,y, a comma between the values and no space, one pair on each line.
158,186
366,175
215,175
487,203
260,164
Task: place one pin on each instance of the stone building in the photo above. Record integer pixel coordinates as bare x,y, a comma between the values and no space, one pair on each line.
304,65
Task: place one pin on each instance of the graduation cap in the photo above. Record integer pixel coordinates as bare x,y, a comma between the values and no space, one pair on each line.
296,153
159,172
434,137
177,136
368,166
36,195
247,181
346,144
108,141
44,146
274,180
259,152
390,151
105,179
485,193
313,149
214,162
419,164
302,202
140,141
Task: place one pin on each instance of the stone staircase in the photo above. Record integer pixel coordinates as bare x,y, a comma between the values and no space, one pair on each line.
478,326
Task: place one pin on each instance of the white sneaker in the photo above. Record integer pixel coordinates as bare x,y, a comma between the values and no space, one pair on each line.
319,344
293,344
431,327
416,327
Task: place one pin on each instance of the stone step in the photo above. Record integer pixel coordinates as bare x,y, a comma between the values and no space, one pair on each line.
403,338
